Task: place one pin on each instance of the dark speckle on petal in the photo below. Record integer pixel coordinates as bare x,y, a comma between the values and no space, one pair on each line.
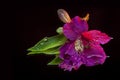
66,56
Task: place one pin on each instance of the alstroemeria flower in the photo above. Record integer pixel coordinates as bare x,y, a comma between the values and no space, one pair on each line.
83,46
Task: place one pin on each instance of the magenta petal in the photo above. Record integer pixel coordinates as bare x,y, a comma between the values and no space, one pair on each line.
64,65
71,58
68,32
94,55
74,62
64,50
74,29
96,36
80,25
70,64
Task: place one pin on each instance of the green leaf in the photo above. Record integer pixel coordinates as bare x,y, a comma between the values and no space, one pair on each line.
48,42
52,51
55,61
59,30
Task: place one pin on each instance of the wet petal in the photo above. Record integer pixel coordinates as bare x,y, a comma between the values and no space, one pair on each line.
67,49
77,62
74,29
71,58
74,62
94,55
64,65
96,36
64,50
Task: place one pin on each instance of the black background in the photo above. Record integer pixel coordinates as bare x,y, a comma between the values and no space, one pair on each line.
37,19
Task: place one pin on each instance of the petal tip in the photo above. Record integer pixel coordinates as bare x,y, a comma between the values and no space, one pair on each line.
111,38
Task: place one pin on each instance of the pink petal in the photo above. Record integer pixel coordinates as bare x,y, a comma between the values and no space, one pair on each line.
96,36
65,66
94,55
67,48
74,29
71,58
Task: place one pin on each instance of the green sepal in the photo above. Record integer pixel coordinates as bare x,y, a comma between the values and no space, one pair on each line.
48,43
55,61
52,51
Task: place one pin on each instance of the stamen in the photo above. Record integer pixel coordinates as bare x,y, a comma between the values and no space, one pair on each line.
86,18
79,45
